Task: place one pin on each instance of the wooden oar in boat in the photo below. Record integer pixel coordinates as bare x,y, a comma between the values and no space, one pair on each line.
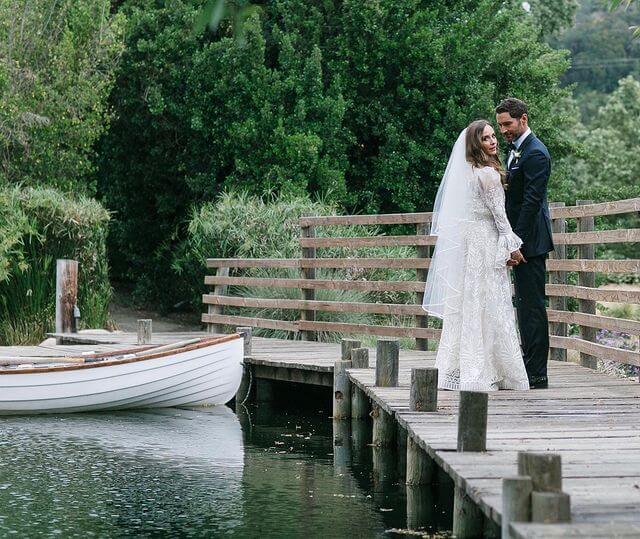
26,360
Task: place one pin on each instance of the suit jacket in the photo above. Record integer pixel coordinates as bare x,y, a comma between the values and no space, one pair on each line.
526,197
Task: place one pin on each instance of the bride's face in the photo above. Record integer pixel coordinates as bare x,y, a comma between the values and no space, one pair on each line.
489,141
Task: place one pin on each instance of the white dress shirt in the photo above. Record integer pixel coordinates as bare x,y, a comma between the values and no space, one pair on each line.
517,143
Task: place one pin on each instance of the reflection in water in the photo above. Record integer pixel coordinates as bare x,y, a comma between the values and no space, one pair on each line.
202,473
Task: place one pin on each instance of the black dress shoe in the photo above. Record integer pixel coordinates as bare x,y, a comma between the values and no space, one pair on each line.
540,382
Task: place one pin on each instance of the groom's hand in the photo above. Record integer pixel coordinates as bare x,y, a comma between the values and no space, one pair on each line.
516,258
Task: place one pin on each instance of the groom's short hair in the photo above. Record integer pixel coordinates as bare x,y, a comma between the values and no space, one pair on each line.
515,107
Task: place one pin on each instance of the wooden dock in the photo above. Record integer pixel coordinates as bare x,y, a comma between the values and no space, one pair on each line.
590,419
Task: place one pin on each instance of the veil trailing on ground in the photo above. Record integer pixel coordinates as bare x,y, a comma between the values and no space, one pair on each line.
450,220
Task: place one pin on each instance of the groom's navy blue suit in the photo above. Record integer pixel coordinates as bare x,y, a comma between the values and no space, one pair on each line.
528,212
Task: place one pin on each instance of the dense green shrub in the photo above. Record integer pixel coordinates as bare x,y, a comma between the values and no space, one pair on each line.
57,62
358,102
45,226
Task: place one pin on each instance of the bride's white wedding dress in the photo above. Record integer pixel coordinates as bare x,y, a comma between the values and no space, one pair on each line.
479,348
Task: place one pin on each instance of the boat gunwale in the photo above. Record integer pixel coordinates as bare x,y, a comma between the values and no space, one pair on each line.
206,342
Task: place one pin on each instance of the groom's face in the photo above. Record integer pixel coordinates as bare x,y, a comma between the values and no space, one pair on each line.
511,128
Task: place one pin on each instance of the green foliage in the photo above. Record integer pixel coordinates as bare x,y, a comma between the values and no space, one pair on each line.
53,226
356,102
56,70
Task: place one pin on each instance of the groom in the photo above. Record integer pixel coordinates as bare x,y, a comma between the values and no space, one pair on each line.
528,170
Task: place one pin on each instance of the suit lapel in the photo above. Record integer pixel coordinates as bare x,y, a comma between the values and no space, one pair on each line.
523,146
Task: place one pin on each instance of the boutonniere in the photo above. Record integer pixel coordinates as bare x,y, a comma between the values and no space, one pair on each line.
516,155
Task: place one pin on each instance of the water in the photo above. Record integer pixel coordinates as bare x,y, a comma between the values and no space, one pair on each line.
204,473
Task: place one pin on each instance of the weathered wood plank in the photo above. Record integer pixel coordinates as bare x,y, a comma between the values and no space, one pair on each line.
249,321
595,321
619,295
367,241
602,266
315,305
628,357
381,219
601,208
387,331
630,235
390,286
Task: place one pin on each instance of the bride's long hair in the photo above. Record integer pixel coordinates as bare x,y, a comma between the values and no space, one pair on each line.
475,153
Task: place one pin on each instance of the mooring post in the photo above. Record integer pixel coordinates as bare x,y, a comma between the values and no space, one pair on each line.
424,390
421,469
401,450
245,383
387,362
144,330
346,345
341,446
420,507
359,358
472,421
341,390
472,436
545,470
66,295
516,502
360,440
550,507
384,429
360,407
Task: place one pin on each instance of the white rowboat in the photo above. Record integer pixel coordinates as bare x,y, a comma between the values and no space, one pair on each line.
206,372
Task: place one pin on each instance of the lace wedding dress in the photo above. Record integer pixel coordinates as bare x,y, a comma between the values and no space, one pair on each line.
479,349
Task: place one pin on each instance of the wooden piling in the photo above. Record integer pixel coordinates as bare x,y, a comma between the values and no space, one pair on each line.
66,294
387,359
264,390
516,502
468,521
420,467
144,330
360,406
545,470
246,332
341,390
360,441
472,421
550,507
359,358
420,507
401,451
341,446
424,390
384,428
346,345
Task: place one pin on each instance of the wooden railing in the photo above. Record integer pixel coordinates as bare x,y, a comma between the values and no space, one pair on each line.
560,266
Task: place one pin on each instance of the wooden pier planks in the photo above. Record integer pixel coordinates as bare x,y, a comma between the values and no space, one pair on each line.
591,419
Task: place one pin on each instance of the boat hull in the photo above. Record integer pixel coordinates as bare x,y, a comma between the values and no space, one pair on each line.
196,376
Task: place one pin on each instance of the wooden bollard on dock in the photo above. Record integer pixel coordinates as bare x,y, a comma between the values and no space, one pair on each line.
346,345
246,332
360,406
359,358
424,390
472,421
550,507
387,361
384,428
545,470
516,502
66,295
144,331
245,382
472,436
341,390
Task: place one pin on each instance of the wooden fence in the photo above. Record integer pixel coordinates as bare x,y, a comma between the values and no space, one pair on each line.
314,239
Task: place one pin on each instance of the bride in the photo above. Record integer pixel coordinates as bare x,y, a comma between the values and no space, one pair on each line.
468,285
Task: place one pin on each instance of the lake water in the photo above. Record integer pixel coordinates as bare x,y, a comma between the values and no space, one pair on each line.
264,472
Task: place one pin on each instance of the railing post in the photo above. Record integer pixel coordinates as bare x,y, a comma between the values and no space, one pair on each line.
66,295
423,251
308,273
218,290
587,278
558,303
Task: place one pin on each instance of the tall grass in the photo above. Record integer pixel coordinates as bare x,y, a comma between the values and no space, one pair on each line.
52,225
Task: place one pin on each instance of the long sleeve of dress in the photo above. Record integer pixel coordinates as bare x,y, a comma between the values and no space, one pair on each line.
492,194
